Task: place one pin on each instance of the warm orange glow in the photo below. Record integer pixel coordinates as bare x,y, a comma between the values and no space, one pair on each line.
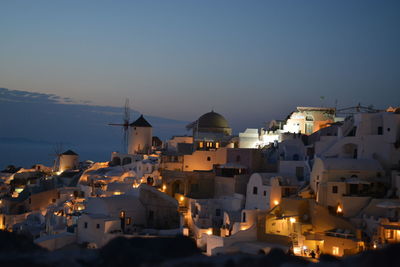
339,209
335,251
244,227
117,193
122,214
201,144
209,232
276,202
164,187
217,145
182,198
374,246
292,219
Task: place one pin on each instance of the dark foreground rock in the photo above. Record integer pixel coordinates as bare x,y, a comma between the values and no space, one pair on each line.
16,250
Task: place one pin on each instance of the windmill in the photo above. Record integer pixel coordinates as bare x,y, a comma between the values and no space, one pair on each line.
125,125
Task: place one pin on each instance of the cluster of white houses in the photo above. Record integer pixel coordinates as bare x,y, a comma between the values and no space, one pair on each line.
313,183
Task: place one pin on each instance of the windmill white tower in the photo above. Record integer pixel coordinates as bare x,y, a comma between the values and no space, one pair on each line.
69,160
141,134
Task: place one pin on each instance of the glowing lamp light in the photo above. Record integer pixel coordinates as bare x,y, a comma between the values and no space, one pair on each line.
374,246
182,198
339,209
164,187
292,219
209,232
243,227
297,250
276,202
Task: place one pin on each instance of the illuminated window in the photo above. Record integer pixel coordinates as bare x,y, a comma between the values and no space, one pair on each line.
216,145
389,234
335,251
201,144
128,221
122,214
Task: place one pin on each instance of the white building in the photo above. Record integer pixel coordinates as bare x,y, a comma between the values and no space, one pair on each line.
265,190
346,184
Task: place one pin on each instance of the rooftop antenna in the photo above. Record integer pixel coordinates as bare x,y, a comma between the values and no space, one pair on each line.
124,124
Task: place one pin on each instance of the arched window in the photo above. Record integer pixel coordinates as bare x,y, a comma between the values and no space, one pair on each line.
122,214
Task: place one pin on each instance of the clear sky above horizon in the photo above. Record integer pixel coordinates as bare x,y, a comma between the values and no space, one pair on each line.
248,60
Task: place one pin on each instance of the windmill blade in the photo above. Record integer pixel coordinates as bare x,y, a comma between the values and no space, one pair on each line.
126,113
124,124
58,148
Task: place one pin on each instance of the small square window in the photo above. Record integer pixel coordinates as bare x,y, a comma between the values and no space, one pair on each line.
208,158
98,226
255,190
85,225
334,189
218,212
265,193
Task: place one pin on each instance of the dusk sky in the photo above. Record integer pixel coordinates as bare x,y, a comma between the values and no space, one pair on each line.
249,60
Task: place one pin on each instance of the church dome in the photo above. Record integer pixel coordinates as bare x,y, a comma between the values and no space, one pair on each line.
212,120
